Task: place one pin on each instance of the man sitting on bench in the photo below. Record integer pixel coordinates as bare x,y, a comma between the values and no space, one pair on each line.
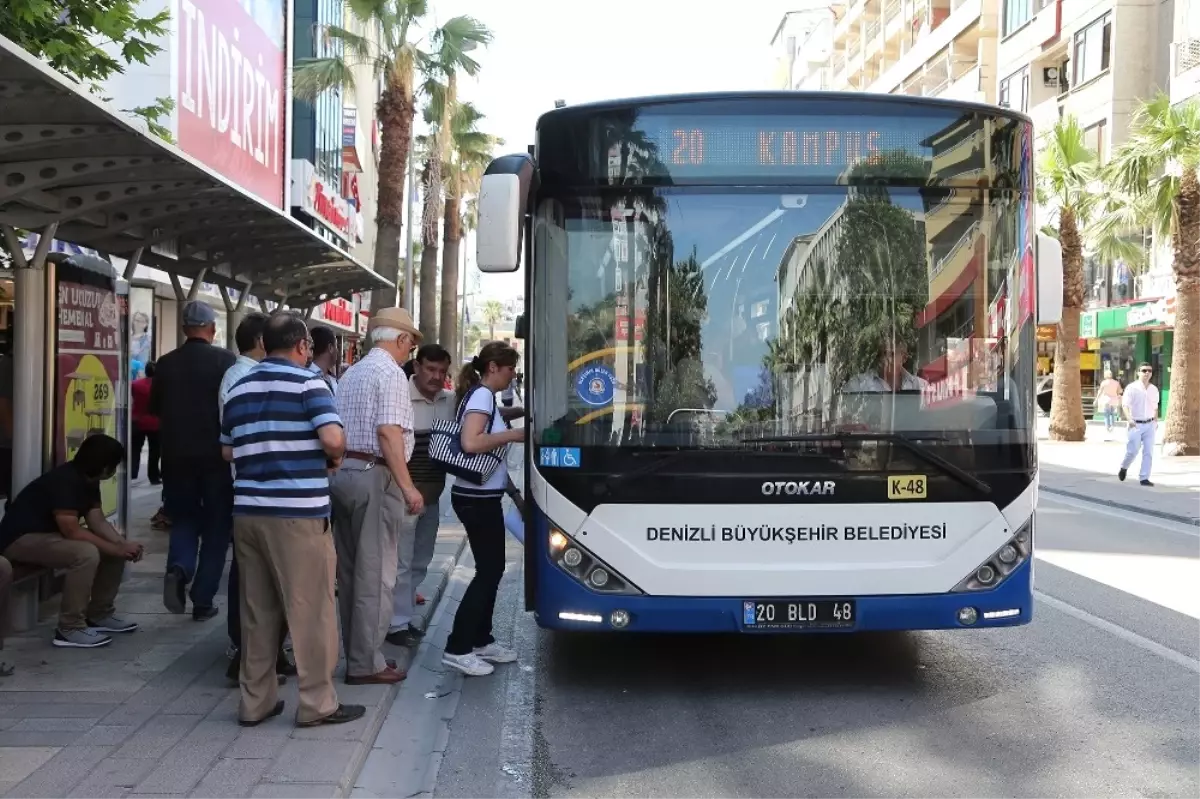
42,528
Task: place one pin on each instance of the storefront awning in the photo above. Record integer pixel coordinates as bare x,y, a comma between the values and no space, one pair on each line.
67,160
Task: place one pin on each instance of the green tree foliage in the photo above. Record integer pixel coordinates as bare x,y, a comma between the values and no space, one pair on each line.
874,288
90,41
677,307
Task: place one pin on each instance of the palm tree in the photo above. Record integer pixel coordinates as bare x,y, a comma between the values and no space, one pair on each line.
493,312
430,186
1158,164
1067,177
394,57
451,45
471,151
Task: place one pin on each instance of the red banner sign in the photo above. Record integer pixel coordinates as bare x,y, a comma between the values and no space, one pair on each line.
230,89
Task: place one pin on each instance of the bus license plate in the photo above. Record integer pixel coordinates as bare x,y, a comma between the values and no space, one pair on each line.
798,614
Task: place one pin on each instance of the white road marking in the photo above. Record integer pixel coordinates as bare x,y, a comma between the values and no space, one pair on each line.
1128,636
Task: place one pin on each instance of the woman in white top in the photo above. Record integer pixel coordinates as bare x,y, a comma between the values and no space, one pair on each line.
471,648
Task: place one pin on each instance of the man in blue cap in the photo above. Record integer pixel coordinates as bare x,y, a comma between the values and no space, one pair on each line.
197,483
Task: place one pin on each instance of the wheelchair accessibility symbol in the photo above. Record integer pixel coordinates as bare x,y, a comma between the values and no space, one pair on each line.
559,457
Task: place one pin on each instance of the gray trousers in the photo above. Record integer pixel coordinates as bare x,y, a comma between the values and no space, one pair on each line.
369,519
415,555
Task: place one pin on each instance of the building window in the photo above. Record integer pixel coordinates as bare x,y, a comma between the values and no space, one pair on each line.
1014,91
1018,12
1095,139
1092,49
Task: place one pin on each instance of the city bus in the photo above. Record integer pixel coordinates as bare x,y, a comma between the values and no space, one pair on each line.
780,359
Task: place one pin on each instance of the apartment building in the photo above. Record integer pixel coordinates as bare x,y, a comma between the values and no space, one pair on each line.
1058,57
1185,50
944,48
803,43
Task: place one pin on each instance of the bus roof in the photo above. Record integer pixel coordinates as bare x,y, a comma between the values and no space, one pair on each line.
847,97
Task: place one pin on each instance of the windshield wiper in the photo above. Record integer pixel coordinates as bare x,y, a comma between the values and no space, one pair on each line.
907,444
664,459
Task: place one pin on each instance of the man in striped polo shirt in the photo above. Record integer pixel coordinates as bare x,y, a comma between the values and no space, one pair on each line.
430,401
282,432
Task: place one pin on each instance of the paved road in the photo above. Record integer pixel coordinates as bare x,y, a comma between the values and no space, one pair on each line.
1099,696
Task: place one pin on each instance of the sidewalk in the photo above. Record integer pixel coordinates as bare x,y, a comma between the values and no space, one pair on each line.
1087,470
151,714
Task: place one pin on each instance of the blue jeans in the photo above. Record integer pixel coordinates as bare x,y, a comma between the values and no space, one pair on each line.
200,507
1110,417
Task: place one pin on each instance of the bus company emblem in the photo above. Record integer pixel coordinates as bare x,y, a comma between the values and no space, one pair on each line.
596,385
799,488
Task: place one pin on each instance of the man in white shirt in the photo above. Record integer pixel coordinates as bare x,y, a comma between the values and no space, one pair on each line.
1140,407
892,376
430,401
249,340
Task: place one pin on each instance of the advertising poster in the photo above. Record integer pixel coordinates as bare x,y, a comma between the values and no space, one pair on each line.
141,330
230,90
90,384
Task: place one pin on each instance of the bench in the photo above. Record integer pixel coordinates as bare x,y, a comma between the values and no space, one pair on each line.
31,584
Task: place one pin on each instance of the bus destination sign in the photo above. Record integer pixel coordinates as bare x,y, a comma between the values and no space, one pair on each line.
815,147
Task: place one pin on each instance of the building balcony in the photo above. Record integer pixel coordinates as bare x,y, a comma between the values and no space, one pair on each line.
872,39
892,21
1185,69
962,17
965,83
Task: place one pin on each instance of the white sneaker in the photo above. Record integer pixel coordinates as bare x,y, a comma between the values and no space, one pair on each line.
469,664
494,653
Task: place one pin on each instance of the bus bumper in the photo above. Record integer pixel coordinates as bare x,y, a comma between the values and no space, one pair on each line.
564,604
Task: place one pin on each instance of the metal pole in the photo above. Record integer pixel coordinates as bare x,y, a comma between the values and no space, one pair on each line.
462,315
408,259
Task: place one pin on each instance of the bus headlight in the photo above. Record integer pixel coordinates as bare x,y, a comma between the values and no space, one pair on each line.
587,569
1003,562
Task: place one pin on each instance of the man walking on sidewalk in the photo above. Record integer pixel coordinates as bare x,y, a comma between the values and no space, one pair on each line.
281,430
1140,404
197,485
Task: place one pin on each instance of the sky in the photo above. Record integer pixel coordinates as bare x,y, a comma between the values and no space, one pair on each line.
578,51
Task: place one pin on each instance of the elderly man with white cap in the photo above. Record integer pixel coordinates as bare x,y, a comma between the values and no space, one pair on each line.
375,501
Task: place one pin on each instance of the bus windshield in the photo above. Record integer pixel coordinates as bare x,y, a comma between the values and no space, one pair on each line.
892,297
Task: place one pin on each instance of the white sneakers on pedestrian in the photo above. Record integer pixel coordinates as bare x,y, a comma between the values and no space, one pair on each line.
469,664
494,653
479,663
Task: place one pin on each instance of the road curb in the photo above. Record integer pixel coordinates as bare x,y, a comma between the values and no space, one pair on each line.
441,572
1162,514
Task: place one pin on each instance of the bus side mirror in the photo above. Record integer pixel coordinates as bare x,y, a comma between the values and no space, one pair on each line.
498,237
519,326
1049,271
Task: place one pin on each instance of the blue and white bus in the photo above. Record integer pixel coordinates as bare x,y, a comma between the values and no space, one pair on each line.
780,359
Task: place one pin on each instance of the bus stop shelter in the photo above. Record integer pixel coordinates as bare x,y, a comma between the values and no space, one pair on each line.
72,170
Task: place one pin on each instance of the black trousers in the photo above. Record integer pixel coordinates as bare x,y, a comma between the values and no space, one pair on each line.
483,518
135,455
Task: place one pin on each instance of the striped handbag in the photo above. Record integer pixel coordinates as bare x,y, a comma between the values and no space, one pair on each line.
445,447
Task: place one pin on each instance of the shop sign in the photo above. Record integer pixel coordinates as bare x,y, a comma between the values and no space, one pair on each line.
1160,312
339,312
1087,324
321,202
230,90
1049,332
